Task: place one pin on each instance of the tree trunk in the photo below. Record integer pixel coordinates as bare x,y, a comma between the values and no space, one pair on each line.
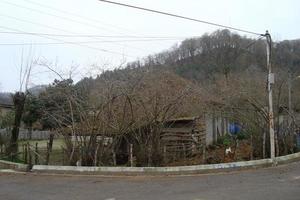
19,101
251,144
29,136
51,137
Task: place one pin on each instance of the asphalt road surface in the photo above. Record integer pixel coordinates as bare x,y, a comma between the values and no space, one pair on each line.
282,183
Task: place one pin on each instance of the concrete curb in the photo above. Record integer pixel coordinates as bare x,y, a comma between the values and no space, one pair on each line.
288,158
195,169
13,166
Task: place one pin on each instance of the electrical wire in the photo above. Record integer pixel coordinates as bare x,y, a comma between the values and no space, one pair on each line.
34,23
56,16
254,42
245,49
89,19
81,45
64,18
76,15
182,17
96,36
50,27
82,42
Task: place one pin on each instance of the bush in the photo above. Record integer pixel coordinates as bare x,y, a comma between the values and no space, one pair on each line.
242,136
7,120
3,140
225,140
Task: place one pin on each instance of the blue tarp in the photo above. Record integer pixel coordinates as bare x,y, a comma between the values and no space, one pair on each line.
234,128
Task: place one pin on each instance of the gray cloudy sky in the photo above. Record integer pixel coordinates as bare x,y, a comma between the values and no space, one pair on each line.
91,17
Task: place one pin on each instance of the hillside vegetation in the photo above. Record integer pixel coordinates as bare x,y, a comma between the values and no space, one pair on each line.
222,74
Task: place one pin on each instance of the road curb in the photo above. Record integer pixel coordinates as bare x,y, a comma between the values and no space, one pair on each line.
194,169
13,166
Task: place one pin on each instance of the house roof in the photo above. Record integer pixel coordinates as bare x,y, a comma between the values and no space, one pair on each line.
182,119
6,105
6,100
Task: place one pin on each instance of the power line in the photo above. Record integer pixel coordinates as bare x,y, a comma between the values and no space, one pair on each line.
96,36
34,23
249,45
75,15
63,18
53,15
182,17
82,45
82,42
50,27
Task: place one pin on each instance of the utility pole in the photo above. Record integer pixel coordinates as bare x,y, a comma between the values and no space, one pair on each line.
270,91
290,98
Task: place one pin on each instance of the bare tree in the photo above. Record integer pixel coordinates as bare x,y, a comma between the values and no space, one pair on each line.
19,98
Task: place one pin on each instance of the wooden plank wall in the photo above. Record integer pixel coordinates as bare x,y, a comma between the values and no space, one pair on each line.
183,139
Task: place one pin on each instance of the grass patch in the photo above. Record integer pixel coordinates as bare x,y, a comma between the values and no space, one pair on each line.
57,144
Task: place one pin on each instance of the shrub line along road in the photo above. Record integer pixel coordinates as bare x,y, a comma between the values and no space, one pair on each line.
278,183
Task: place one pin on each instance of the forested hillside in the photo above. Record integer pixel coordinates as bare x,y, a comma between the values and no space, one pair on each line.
223,52
220,59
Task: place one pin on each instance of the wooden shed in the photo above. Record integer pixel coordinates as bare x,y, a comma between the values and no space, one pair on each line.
179,138
183,137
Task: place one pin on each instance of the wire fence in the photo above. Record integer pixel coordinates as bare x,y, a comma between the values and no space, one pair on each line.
35,154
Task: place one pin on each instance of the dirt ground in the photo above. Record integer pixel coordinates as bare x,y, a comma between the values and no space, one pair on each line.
216,154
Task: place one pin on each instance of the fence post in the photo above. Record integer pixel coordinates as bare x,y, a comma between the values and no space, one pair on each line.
114,157
25,153
204,154
184,152
63,156
36,160
165,154
149,156
51,137
29,154
48,154
96,154
130,155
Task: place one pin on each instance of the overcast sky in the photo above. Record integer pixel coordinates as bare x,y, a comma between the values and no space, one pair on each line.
92,17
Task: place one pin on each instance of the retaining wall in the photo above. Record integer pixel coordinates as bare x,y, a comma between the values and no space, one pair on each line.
195,169
14,166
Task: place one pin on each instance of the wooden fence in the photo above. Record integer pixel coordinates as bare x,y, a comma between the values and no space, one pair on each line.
26,134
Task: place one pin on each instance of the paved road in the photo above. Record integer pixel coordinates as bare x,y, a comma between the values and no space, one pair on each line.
280,183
